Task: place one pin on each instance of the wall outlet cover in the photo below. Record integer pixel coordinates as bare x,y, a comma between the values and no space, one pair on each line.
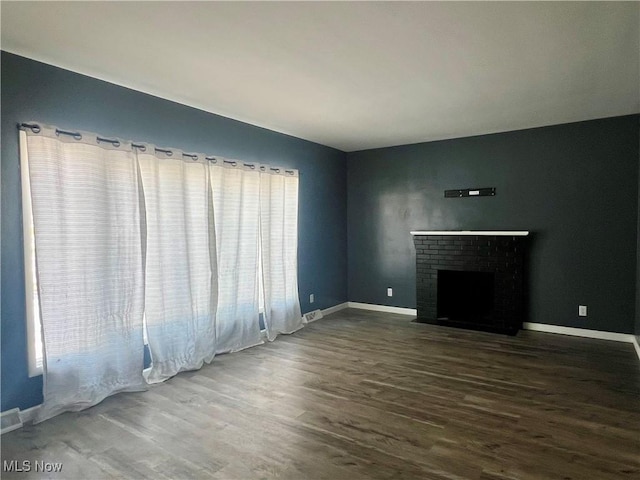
582,310
389,292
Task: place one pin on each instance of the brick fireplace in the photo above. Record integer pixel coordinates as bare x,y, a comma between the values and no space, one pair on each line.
471,279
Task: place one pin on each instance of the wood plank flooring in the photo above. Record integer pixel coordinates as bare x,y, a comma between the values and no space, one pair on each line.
364,395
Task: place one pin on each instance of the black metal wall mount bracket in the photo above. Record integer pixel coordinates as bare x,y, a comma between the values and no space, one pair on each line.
471,192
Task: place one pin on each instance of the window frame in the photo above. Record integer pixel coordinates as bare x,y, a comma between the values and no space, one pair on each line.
32,307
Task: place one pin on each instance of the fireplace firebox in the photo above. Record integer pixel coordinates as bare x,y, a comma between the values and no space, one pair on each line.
465,296
471,279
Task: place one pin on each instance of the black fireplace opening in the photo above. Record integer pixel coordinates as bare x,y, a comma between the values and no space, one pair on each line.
466,296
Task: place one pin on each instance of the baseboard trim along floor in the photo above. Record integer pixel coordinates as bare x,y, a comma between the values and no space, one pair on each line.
335,308
28,415
537,327
636,346
579,332
383,308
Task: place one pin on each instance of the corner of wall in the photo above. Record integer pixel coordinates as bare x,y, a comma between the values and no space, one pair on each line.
637,323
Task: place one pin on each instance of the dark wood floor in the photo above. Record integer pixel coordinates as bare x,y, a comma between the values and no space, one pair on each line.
361,395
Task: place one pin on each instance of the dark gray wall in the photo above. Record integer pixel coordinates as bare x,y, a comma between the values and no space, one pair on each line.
35,91
637,329
575,186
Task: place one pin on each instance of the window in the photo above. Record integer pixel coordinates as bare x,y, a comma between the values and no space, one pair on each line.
32,307
256,209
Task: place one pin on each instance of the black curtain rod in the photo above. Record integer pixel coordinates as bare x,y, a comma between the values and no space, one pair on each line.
35,128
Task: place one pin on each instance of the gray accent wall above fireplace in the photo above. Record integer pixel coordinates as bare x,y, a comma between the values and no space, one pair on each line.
574,185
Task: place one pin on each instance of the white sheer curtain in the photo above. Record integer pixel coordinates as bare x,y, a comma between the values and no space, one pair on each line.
180,294
128,237
88,245
279,248
236,203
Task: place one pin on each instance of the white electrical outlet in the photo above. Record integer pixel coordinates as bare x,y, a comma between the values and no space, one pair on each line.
312,298
389,292
582,310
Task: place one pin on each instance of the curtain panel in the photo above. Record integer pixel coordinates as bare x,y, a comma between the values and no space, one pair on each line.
279,248
236,205
133,239
181,264
88,242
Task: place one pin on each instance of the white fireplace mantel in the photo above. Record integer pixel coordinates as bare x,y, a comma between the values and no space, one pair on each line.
512,233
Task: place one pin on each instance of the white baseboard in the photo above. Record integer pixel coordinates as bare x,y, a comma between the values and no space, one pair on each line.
369,306
579,332
383,308
538,327
29,415
636,346
23,417
335,308
10,420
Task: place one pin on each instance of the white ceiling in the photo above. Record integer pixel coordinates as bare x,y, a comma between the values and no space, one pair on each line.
352,75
